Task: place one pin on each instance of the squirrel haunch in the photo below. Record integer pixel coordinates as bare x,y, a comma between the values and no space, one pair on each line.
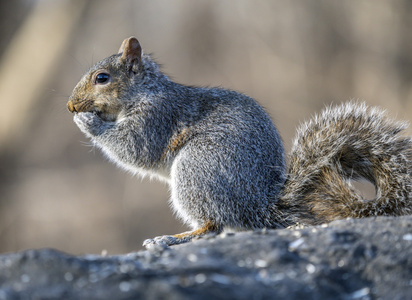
223,158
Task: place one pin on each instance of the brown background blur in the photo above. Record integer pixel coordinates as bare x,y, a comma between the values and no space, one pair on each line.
292,56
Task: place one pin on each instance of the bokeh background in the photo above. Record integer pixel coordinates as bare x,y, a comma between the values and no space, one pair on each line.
292,56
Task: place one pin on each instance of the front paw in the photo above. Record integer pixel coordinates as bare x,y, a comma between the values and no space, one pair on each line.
90,123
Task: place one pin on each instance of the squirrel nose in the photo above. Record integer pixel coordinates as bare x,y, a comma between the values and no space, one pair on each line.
70,106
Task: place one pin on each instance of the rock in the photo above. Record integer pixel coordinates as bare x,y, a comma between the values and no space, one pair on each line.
348,259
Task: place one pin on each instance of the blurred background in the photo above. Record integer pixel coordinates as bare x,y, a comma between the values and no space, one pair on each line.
292,56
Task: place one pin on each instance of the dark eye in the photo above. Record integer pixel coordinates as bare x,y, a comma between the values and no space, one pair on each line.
102,78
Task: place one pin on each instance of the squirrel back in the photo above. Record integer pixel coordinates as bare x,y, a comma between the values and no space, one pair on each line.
223,157
349,142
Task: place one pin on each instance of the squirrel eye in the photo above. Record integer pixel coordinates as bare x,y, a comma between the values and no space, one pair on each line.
102,78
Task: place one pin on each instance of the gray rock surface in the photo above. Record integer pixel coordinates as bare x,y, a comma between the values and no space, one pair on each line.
348,259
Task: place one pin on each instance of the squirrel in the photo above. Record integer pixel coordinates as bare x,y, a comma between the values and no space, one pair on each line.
223,157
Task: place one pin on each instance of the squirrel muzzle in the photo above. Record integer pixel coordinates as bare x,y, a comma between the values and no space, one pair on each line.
80,106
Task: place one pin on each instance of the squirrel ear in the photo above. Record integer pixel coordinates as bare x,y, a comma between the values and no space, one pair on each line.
132,52
121,49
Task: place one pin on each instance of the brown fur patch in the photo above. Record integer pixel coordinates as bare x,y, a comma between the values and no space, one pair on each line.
209,227
177,142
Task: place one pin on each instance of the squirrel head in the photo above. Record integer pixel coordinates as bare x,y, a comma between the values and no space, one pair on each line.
104,87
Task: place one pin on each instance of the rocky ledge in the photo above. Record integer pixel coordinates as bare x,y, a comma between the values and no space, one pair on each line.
348,259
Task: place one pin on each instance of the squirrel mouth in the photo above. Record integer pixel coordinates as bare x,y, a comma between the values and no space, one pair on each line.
89,106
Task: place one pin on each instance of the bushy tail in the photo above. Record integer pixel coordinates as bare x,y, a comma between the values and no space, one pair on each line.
350,141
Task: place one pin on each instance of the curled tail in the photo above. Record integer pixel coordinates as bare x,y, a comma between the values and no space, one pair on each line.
350,141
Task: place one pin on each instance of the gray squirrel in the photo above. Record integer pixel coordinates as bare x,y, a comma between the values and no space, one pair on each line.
223,158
